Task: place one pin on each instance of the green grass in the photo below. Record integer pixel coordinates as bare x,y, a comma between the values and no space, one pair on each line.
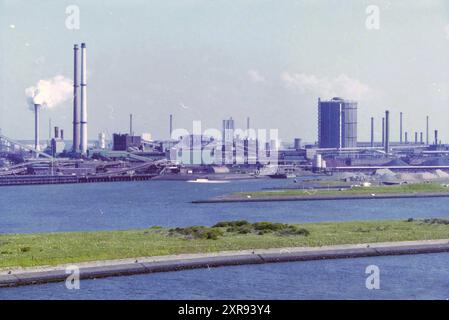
334,182
395,189
25,250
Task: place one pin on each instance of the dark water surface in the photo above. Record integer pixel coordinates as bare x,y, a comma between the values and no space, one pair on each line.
106,206
167,203
401,277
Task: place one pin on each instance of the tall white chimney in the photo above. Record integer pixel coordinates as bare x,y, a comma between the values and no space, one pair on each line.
36,127
83,138
171,125
76,111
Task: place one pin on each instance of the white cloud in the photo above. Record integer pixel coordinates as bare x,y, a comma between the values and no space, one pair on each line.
341,86
255,76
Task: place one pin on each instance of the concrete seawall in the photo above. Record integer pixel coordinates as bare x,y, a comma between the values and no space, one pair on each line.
101,269
225,199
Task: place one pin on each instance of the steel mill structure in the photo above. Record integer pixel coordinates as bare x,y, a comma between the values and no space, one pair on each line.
337,123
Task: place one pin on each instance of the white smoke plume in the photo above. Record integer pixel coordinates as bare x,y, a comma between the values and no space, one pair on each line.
50,93
341,86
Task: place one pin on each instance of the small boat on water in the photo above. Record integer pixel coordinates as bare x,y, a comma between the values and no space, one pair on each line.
282,175
205,180
278,176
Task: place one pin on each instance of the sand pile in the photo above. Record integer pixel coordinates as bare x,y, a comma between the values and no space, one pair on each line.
426,176
441,174
381,172
385,175
349,176
405,176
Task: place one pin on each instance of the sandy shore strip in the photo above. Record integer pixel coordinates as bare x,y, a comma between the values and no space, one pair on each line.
99,269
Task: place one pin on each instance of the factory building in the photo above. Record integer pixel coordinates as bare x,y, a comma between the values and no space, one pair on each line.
194,150
227,149
101,143
228,130
202,150
297,144
337,123
125,142
57,144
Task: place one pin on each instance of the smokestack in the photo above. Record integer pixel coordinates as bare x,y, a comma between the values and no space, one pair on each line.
36,127
421,138
171,125
247,123
83,136
387,131
76,111
416,137
383,132
62,134
56,132
400,128
436,137
372,132
49,128
131,133
427,130
406,137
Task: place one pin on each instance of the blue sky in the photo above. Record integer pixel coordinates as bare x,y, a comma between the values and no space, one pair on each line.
211,59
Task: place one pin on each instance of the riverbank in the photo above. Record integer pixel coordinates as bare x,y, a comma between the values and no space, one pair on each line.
421,190
49,249
101,269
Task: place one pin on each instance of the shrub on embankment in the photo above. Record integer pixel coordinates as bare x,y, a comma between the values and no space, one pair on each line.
224,228
430,221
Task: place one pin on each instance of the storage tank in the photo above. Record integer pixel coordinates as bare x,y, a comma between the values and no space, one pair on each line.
323,164
317,161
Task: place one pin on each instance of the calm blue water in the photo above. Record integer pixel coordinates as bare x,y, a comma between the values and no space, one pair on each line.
406,277
167,203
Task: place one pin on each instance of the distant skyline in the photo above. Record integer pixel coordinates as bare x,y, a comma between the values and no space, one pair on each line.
209,60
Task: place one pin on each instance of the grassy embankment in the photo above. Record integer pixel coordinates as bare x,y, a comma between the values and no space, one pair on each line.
395,189
332,183
25,250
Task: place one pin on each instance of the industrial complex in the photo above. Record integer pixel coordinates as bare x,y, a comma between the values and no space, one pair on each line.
230,154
